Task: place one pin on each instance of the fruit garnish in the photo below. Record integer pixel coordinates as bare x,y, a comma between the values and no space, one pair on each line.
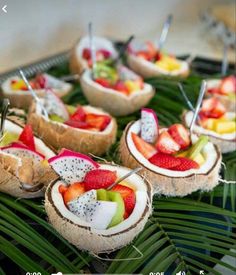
102,195
98,121
121,87
225,127
119,215
128,196
146,149
212,108
149,125
73,191
228,85
62,189
165,161
104,82
197,147
86,54
166,144
186,164
79,114
27,137
180,134
99,178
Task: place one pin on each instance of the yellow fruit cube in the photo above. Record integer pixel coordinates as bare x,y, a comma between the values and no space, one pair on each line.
18,85
225,127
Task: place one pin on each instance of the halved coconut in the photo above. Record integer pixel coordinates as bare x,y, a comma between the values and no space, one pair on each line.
148,69
14,169
113,101
60,135
77,63
230,104
167,182
79,232
226,142
23,99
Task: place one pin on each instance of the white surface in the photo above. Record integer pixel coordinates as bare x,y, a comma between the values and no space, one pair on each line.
32,29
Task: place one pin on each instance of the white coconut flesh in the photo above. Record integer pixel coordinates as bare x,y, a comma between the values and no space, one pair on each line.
88,109
135,181
213,83
58,86
198,129
99,43
209,153
87,77
40,146
183,67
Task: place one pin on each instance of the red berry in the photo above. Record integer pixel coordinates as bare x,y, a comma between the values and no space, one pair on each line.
86,54
180,134
77,124
166,144
104,82
79,114
212,108
99,178
228,85
164,160
27,137
186,164
97,121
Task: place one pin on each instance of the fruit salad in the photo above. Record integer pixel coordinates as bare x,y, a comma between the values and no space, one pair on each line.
103,56
223,87
213,117
161,59
92,202
118,78
82,119
169,148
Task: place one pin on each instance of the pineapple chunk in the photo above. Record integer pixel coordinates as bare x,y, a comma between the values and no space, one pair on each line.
210,123
225,127
168,63
199,159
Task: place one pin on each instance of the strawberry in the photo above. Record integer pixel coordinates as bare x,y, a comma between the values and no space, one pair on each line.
213,90
79,114
27,137
151,49
121,87
106,54
99,178
186,164
228,85
86,54
62,189
40,81
128,196
104,82
146,149
166,144
212,108
164,160
98,121
143,54
73,191
77,124
180,134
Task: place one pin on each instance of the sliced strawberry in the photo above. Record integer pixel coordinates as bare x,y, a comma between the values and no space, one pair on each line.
106,54
213,90
98,121
73,191
212,108
186,164
128,196
143,54
86,54
164,160
99,178
27,137
121,87
102,81
79,114
146,149
151,49
77,124
166,144
62,189
40,80
228,85
180,134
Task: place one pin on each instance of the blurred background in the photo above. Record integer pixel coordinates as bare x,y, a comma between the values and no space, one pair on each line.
33,29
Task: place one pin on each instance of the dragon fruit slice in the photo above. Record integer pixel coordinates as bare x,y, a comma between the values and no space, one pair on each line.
54,105
100,213
72,166
22,151
78,206
52,82
149,125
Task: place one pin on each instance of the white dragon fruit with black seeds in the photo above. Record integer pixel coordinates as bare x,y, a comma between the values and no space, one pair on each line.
149,125
21,151
71,166
79,205
100,213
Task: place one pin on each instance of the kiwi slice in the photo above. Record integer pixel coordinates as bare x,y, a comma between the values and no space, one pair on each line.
102,195
56,118
119,215
71,109
197,147
8,138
